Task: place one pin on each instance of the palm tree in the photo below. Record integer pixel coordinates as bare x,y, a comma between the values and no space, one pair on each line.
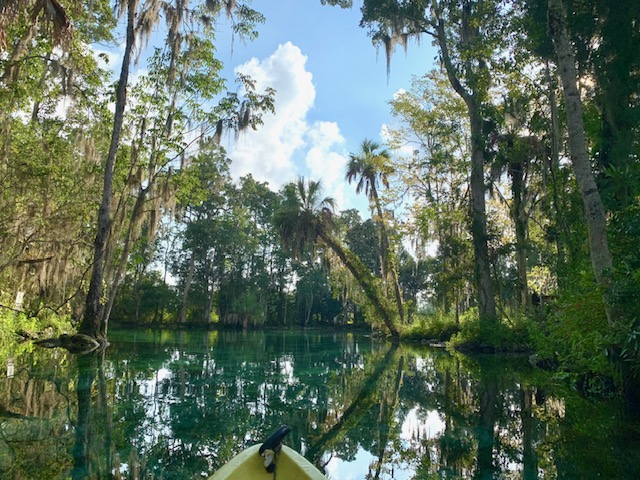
370,168
303,213
306,218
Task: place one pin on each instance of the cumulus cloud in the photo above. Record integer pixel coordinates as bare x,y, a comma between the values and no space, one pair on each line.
267,153
324,162
287,145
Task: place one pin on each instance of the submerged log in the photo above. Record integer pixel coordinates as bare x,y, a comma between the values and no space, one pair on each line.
78,343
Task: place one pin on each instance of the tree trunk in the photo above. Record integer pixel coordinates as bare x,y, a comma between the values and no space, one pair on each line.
182,318
91,322
388,263
87,368
563,236
112,289
36,105
209,305
354,413
601,260
363,277
484,284
529,460
388,407
519,215
309,304
485,429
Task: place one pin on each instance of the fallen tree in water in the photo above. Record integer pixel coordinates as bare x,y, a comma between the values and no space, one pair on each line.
78,343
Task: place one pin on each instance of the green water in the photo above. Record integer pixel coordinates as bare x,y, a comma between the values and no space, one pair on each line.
177,405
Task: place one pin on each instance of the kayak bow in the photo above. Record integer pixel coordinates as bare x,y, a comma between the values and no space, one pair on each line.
269,460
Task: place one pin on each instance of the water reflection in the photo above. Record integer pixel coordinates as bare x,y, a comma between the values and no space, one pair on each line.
92,447
177,405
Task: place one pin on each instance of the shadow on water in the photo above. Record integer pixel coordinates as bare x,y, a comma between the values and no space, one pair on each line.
178,405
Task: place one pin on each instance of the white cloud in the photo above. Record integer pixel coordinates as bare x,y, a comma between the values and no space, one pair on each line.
324,162
287,145
268,152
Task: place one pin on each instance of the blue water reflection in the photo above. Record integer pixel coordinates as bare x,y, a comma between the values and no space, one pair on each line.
178,404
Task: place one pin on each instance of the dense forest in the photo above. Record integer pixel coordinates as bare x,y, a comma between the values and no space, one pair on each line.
512,225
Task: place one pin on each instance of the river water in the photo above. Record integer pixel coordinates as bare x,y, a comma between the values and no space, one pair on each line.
166,404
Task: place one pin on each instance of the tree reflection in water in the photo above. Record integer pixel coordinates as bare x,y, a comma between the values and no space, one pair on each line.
177,405
92,448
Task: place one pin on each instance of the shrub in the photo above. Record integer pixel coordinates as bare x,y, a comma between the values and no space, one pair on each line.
437,326
14,326
475,335
576,335
45,323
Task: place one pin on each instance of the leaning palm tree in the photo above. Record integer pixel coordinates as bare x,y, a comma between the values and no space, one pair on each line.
305,219
370,168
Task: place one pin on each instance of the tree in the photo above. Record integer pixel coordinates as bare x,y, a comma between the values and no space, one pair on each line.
371,167
51,10
140,24
202,200
92,320
435,178
268,267
363,239
601,259
520,154
599,33
52,118
166,102
304,219
467,36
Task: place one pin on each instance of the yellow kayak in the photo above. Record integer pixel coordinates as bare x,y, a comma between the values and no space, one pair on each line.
269,460
249,465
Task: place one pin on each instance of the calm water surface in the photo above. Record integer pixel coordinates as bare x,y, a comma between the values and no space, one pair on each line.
177,405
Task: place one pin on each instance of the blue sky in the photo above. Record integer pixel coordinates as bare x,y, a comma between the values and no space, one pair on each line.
333,91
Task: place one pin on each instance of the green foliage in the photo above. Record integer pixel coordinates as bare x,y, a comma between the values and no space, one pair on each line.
625,227
14,325
434,118
438,326
249,304
52,166
303,213
146,300
49,187
379,306
305,220
314,298
475,335
470,333
575,335
362,239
